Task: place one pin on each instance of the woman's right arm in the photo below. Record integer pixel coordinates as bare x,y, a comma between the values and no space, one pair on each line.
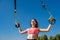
17,25
22,32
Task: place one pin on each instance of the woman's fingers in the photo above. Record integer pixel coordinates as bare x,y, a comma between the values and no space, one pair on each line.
17,25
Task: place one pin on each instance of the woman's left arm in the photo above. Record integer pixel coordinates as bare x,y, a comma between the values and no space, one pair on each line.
47,29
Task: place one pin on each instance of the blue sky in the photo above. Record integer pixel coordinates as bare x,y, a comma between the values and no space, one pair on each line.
26,10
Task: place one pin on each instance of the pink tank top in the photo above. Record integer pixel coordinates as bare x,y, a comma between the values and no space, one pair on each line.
32,31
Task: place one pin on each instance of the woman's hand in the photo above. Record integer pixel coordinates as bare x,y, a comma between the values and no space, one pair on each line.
51,20
17,25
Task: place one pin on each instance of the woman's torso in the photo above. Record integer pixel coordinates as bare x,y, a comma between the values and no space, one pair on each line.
32,33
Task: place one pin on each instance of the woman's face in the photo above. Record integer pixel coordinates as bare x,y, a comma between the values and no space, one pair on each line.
33,23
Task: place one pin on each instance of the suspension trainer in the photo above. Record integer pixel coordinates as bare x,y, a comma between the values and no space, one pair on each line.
43,6
16,22
51,16
15,11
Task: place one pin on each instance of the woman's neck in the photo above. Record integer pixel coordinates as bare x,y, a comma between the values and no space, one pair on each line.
33,26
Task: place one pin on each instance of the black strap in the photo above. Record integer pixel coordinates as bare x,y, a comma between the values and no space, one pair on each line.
44,6
15,11
15,4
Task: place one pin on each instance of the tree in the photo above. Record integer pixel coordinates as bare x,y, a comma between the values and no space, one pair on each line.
38,38
44,37
52,38
57,36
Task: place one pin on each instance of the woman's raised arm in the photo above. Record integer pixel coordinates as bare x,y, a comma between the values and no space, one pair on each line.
17,25
47,29
22,32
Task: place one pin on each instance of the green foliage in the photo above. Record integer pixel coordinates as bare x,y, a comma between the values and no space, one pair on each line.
38,38
52,38
57,36
44,37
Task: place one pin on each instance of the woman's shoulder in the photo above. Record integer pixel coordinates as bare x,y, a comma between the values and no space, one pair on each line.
28,28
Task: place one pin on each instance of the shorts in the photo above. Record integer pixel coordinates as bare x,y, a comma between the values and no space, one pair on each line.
31,39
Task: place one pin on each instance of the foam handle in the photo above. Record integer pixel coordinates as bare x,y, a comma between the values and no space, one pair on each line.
17,25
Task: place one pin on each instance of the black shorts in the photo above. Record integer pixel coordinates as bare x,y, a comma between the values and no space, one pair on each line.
31,39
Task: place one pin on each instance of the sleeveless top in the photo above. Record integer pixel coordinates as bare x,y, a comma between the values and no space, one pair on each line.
32,31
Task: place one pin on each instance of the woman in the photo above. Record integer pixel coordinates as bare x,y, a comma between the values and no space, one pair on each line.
34,30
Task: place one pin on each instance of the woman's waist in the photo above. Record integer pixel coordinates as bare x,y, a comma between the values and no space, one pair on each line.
32,36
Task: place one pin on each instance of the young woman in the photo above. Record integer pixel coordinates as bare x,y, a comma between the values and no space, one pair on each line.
34,30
